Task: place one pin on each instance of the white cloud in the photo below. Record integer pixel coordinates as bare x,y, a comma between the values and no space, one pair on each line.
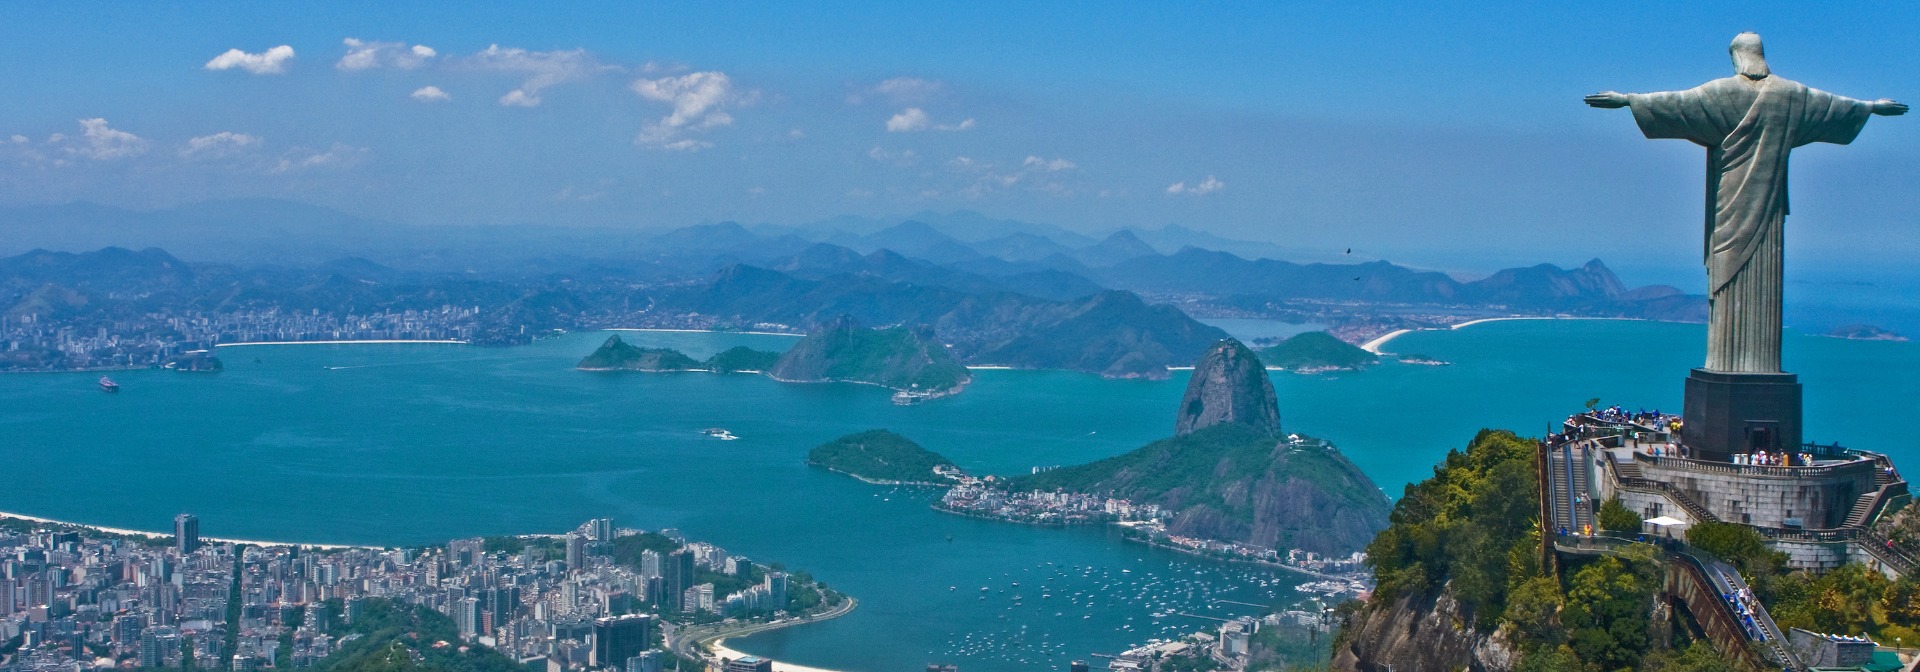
270,62
899,91
908,120
337,156
367,55
1204,187
904,157
219,144
688,145
18,139
916,119
430,94
1054,166
542,69
101,142
697,99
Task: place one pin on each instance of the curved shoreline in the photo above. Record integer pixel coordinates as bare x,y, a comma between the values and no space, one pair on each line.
718,643
702,331
373,341
1374,345
121,531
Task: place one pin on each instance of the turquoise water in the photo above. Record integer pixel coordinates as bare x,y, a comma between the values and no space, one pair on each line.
394,444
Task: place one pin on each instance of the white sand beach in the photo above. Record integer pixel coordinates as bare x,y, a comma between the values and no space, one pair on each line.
1374,345
169,535
235,345
703,331
720,649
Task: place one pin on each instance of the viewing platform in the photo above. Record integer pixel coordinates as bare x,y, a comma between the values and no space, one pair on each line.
1818,503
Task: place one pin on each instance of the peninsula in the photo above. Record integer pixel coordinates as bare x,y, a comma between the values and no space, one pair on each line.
901,358
1228,483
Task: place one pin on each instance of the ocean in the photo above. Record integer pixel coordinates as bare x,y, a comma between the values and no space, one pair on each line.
416,444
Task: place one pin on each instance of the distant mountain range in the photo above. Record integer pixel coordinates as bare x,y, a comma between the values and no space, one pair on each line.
998,292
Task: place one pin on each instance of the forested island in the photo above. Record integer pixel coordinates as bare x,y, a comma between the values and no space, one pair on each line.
1316,351
900,358
881,457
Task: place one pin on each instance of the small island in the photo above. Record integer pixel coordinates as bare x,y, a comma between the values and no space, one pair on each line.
1316,352
197,361
882,457
907,360
618,355
1865,332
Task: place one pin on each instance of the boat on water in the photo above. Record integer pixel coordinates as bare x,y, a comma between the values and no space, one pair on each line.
719,433
107,385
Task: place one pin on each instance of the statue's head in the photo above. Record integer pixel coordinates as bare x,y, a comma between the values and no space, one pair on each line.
1749,58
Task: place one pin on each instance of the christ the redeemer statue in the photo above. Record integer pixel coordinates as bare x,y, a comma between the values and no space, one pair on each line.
1749,123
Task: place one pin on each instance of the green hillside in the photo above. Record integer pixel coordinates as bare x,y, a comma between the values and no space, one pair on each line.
742,358
878,455
1231,481
1317,350
898,357
616,354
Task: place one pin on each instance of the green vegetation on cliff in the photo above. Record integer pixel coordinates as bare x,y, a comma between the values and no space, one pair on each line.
1316,350
901,358
878,455
1473,525
616,354
1236,482
742,358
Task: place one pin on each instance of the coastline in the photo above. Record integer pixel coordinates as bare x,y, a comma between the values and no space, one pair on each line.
121,531
1374,345
376,341
717,645
703,331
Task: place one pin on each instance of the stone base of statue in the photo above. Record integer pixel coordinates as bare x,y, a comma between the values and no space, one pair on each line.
1728,413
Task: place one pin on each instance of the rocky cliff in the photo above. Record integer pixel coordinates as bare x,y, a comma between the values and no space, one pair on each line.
1229,385
1419,633
616,354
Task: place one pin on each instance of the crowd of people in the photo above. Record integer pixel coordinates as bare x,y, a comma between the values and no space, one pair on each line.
1761,458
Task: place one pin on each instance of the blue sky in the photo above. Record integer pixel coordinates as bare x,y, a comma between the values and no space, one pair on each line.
1446,136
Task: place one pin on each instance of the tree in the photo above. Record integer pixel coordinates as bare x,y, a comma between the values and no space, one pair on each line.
1616,517
1697,657
1533,611
1607,612
1736,544
1901,601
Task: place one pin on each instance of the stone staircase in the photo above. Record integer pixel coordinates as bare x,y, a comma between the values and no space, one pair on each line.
1863,507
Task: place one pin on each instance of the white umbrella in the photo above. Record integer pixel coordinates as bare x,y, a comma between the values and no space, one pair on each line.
1665,521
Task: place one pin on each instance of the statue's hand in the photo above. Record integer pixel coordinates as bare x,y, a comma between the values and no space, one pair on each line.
1887,107
1608,100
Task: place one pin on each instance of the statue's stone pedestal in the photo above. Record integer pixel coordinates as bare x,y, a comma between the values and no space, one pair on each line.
1729,413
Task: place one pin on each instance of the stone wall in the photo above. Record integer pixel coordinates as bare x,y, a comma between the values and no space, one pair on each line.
1820,497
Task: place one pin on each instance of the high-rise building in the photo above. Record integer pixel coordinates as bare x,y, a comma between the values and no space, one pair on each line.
776,583
466,615
653,660
619,638
600,529
748,664
649,563
576,550
678,576
186,533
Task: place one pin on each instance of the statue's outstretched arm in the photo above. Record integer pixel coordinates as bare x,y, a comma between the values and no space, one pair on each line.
1608,100
1886,107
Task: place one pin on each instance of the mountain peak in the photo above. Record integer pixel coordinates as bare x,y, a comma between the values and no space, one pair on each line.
1229,385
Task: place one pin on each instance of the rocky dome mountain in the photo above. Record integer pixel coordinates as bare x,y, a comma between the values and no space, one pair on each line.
1229,384
1229,474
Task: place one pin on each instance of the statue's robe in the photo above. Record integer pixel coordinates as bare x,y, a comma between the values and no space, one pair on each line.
1748,127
